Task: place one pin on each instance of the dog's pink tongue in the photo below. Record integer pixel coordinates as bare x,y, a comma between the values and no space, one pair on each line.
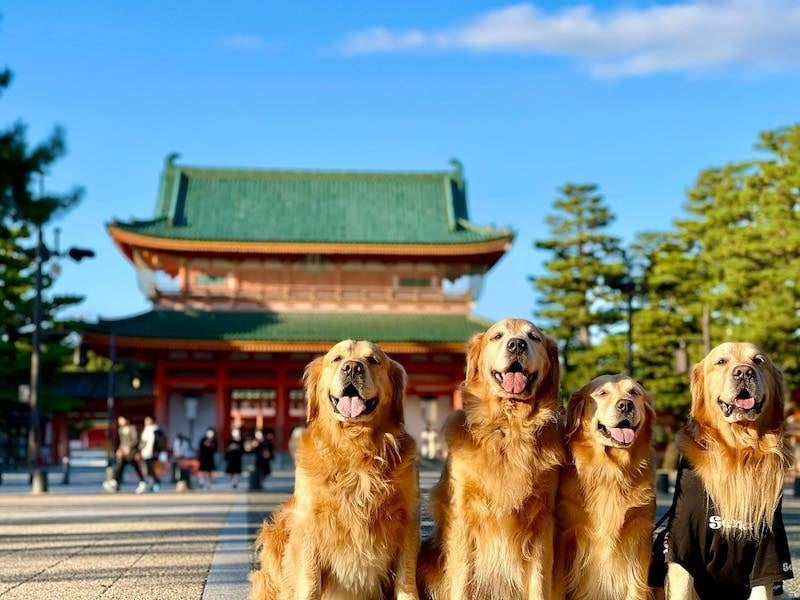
622,434
745,403
350,406
514,383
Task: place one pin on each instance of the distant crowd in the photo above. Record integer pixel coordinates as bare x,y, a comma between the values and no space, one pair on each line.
153,458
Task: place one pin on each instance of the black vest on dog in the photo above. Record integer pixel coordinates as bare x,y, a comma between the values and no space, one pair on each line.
722,566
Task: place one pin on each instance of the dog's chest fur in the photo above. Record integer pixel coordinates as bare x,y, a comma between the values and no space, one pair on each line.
360,521
607,504
515,498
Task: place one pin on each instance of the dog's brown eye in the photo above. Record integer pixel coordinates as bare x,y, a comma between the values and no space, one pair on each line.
337,359
534,337
721,361
758,359
496,337
633,392
373,360
602,393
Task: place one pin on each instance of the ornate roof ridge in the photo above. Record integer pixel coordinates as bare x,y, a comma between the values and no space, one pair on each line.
298,172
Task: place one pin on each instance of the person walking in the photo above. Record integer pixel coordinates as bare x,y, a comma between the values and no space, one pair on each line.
150,446
206,451
182,457
264,452
233,457
127,454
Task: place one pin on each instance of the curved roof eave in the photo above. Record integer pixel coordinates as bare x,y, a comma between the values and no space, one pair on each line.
126,238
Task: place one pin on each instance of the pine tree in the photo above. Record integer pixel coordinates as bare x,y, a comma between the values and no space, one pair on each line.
580,302
668,322
736,256
746,220
22,209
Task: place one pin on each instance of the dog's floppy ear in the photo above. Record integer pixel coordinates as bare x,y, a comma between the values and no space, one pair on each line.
575,412
311,377
697,387
775,394
474,347
550,385
398,378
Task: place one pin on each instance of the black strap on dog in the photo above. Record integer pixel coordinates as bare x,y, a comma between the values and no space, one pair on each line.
658,563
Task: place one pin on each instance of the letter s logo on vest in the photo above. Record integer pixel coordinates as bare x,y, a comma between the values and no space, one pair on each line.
715,522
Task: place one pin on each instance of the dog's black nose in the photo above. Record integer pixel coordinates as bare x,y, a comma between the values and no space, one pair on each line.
625,406
353,367
743,372
517,345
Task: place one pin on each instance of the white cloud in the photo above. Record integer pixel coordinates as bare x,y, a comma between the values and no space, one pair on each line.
242,41
693,35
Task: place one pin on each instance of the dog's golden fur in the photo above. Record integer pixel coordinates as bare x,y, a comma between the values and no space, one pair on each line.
493,506
351,529
741,457
741,463
606,497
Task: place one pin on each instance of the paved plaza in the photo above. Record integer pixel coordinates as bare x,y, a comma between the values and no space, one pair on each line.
78,543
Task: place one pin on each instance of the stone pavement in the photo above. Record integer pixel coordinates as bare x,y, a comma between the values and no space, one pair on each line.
78,543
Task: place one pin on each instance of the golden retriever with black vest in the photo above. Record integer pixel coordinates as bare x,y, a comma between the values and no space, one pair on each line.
493,506
726,536
606,497
351,529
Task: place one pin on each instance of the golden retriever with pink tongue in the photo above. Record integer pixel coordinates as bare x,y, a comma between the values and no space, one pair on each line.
606,496
493,506
726,536
350,531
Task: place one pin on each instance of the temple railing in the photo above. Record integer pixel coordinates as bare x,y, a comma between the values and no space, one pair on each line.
294,293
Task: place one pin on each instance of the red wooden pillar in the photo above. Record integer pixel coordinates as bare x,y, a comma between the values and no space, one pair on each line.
59,441
282,418
221,407
161,390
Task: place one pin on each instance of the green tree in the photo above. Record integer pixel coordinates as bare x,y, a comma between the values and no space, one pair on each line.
22,210
580,302
668,322
734,258
745,218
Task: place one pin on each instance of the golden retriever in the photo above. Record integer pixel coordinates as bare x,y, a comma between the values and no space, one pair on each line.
606,498
493,506
351,529
734,458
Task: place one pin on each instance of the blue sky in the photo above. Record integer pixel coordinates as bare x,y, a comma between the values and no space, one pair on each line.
637,97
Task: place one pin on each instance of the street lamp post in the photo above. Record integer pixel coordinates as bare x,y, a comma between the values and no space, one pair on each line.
190,404
112,355
42,255
38,477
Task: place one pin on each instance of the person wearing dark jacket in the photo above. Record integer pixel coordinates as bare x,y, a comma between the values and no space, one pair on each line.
206,451
264,451
233,457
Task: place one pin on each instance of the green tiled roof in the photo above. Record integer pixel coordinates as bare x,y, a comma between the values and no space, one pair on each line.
294,327
312,206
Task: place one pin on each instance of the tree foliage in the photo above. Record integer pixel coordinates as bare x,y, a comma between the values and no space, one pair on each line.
746,220
734,256
24,207
579,296
668,320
